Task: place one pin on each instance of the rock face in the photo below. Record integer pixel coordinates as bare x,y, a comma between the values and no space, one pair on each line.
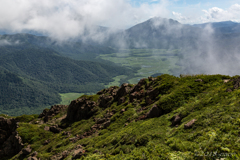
10,141
81,108
54,110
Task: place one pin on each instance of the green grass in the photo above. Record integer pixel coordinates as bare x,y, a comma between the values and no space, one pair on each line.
215,131
150,61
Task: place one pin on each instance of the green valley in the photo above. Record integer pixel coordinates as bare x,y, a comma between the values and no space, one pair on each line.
147,61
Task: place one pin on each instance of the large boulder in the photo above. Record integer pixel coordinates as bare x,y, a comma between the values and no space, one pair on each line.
176,120
155,111
10,141
81,108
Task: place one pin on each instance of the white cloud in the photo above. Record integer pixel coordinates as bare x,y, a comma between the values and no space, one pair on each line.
4,42
214,14
67,18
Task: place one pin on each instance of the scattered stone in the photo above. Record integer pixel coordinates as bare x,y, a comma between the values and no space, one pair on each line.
155,111
141,118
176,120
34,154
100,120
46,142
55,129
74,139
64,154
27,150
228,90
123,110
46,128
78,146
106,124
36,122
226,80
189,124
78,153
198,80
32,158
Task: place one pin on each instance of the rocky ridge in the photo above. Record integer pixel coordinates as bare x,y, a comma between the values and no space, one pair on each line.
91,116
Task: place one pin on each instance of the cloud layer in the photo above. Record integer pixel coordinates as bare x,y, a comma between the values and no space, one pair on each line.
67,18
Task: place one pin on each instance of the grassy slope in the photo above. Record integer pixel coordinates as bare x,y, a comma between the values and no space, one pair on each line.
215,131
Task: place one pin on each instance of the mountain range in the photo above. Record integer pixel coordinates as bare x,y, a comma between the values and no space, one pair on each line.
49,67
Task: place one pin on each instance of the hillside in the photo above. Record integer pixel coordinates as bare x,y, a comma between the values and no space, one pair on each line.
24,96
76,49
167,117
36,76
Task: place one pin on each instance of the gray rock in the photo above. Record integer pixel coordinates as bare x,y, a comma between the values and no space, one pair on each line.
189,124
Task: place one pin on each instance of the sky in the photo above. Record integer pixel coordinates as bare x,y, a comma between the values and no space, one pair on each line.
61,18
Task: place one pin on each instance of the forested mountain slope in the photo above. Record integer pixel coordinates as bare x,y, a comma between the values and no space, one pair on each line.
39,74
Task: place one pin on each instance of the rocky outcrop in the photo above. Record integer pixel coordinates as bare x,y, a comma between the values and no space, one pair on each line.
10,141
27,150
81,108
122,91
54,110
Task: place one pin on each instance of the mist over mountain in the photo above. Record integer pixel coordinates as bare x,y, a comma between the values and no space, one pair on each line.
222,27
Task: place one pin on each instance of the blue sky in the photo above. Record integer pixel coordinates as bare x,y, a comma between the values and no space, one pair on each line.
197,11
